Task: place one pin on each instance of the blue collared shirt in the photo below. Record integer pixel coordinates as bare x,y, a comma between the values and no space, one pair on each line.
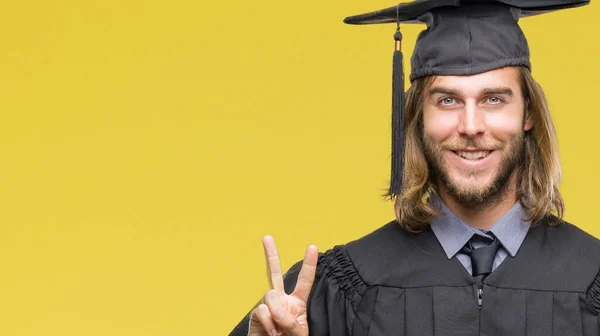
453,233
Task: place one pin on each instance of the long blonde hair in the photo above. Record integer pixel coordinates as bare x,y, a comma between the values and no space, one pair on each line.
538,174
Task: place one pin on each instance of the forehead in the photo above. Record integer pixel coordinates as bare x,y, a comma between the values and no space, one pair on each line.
507,77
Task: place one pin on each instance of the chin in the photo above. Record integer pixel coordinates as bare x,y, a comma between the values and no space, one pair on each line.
472,184
472,178
472,188
473,191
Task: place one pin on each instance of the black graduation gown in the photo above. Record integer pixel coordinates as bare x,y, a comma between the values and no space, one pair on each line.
393,282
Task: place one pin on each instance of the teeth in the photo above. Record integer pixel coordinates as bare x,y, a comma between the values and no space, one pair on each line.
473,155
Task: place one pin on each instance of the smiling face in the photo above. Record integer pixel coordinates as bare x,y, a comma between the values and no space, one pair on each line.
473,131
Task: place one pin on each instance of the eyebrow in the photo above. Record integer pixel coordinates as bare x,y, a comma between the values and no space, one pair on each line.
443,90
487,91
498,91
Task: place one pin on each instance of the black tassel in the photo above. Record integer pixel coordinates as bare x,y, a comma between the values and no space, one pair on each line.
397,118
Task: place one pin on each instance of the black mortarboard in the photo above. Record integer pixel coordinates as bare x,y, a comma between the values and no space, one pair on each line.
462,38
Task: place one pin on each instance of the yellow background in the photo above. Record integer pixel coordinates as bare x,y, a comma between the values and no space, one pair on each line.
146,147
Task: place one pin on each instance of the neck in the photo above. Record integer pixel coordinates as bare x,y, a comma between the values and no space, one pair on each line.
484,215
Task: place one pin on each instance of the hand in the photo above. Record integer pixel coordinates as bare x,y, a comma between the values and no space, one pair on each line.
279,312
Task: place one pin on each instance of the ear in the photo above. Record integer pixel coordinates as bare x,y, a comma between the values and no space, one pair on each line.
528,124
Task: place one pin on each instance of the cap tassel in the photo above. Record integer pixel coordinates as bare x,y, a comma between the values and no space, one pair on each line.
397,117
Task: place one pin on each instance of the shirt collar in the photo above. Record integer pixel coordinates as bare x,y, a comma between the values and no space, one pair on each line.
511,229
453,233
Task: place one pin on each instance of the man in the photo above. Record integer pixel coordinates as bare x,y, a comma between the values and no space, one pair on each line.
475,248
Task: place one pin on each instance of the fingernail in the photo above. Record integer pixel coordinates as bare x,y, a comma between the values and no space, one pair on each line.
278,314
273,332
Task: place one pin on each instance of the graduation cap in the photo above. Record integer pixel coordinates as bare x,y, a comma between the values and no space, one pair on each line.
463,37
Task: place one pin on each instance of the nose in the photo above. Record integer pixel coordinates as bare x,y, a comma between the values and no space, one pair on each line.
472,120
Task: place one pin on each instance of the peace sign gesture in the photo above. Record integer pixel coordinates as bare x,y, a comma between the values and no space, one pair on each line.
280,312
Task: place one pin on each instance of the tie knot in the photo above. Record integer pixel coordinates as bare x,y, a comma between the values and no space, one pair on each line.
482,252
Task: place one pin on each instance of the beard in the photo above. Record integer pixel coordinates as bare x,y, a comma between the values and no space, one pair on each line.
480,195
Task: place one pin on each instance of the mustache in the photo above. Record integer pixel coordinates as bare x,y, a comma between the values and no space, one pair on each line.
472,144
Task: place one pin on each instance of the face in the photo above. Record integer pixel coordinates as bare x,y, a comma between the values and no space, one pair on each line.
473,132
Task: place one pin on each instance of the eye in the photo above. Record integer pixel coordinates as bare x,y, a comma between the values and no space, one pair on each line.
494,100
447,101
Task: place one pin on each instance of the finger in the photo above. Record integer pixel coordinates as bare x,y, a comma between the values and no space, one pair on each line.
306,277
273,299
288,322
273,266
263,316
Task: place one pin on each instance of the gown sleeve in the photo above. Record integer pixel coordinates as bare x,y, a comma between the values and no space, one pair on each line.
593,296
334,299
590,308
